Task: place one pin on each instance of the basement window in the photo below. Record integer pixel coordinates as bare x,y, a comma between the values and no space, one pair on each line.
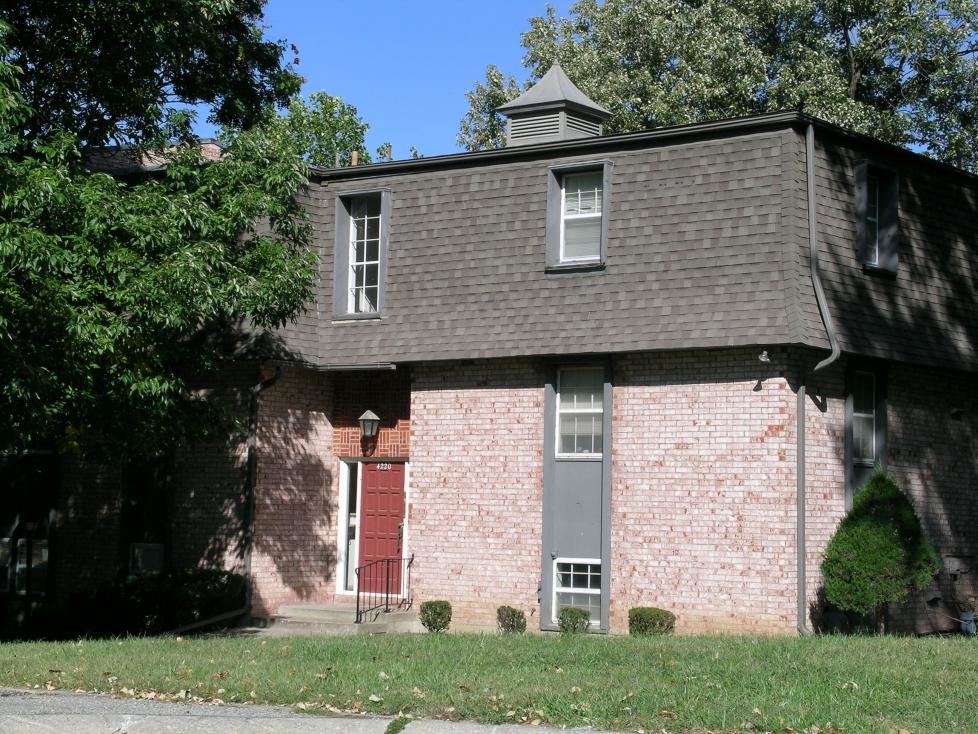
577,583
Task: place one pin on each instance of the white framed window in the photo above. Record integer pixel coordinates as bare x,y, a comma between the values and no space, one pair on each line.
872,256
580,411
864,449
360,259
578,201
577,583
581,198
364,276
877,209
36,566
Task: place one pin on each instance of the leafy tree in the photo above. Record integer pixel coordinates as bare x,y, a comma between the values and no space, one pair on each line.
906,73
482,127
108,70
109,287
325,131
879,552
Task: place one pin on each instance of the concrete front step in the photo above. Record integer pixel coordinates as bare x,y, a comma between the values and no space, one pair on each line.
319,619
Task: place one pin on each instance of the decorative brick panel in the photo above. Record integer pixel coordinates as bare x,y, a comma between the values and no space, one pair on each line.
385,393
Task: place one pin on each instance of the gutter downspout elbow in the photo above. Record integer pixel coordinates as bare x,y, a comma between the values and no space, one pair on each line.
823,310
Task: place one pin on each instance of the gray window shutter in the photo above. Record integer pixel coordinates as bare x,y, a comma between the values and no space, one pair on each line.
862,206
889,252
341,258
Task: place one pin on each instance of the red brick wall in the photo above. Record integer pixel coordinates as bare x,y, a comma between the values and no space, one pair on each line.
703,490
387,394
476,487
294,555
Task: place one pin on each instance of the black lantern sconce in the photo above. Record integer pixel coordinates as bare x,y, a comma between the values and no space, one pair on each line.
369,423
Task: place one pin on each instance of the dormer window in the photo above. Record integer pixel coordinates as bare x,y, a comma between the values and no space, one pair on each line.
577,216
877,218
362,223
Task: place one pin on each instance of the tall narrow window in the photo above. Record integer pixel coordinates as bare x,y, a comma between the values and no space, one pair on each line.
865,425
364,277
581,196
31,569
864,418
872,219
361,253
580,411
877,218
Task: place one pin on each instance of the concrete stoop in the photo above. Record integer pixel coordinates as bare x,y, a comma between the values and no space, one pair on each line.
326,620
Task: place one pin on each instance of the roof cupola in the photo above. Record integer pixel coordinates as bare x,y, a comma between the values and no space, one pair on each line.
552,109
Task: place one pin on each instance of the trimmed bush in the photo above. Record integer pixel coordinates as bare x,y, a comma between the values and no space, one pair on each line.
510,620
436,615
573,621
879,552
650,621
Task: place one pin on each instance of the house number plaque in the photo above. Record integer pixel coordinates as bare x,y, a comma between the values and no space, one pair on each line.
383,466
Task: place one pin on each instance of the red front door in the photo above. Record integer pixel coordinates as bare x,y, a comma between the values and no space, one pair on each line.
381,525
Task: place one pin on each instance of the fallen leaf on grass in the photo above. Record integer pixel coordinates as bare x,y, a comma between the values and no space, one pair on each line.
375,698
667,714
383,676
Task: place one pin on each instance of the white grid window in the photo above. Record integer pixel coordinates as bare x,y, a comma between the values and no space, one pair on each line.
872,220
580,222
864,418
580,411
577,583
364,276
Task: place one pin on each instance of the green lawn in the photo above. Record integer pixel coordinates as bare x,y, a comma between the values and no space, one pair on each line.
671,684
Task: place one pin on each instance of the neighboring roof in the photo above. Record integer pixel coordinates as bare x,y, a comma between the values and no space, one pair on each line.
118,161
554,90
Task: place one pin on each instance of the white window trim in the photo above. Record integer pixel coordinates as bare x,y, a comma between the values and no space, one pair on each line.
578,411
355,292
591,592
873,256
564,217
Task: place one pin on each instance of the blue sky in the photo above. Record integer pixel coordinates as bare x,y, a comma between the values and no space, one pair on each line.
405,64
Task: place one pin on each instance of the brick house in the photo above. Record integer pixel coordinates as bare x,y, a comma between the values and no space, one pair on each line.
610,371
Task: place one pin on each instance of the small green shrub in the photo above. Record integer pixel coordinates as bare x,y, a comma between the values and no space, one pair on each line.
650,621
879,552
510,620
436,615
573,621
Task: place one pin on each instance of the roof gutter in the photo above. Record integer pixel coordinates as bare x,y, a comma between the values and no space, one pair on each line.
823,310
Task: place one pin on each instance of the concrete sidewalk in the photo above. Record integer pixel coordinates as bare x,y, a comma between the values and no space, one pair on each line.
23,711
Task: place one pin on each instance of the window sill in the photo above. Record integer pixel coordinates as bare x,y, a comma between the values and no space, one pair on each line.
879,270
590,266
354,317
579,457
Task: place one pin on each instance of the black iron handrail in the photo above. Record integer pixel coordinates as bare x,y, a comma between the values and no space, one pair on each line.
375,582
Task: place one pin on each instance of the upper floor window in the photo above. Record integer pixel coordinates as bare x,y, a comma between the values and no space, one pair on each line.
361,253
877,217
577,211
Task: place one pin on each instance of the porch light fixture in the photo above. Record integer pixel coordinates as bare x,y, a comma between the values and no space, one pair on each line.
369,422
